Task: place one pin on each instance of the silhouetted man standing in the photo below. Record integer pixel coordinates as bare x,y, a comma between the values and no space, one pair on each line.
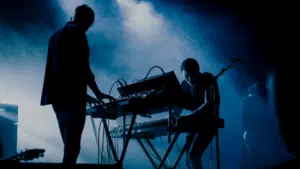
205,88
66,78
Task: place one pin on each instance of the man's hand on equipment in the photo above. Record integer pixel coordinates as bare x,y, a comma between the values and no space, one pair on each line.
102,96
91,100
110,98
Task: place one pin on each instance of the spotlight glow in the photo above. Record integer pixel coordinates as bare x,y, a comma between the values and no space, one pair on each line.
141,20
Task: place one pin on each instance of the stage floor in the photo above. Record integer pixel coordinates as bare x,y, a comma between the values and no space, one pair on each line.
55,165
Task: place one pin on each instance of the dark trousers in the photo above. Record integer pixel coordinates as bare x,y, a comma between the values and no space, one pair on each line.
198,147
71,120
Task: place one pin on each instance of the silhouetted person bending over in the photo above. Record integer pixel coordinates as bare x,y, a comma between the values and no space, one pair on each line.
202,86
67,75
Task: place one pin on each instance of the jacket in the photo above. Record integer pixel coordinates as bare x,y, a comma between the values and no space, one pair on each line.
67,68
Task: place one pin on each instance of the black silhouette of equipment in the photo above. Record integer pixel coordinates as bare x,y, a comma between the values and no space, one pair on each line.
146,97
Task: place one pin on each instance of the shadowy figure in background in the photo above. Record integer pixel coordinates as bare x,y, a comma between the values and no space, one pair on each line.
254,127
260,131
67,76
286,110
202,86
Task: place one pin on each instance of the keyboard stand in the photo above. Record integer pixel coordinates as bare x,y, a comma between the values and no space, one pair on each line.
118,161
185,147
157,156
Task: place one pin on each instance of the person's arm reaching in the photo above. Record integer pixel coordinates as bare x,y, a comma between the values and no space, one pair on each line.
211,95
177,111
212,91
90,76
94,87
91,82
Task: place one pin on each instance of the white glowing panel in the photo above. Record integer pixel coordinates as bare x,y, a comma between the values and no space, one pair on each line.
8,130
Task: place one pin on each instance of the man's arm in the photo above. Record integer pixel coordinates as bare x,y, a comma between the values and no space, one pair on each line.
83,51
91,82
177,111
211,95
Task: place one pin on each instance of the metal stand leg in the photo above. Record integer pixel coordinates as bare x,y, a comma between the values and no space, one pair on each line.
168,150
124,129
217,149
110,142
146,152
155,152
188,143
128,137
95,129
96,135
170,122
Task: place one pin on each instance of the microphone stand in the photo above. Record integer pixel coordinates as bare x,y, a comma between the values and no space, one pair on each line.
231,65
234,63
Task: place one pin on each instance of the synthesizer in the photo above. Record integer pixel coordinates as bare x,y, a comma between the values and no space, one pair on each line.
158,128
165,90
116,109
167,82
145,107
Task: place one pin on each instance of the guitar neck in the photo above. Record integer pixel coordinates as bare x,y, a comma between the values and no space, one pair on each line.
26,155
